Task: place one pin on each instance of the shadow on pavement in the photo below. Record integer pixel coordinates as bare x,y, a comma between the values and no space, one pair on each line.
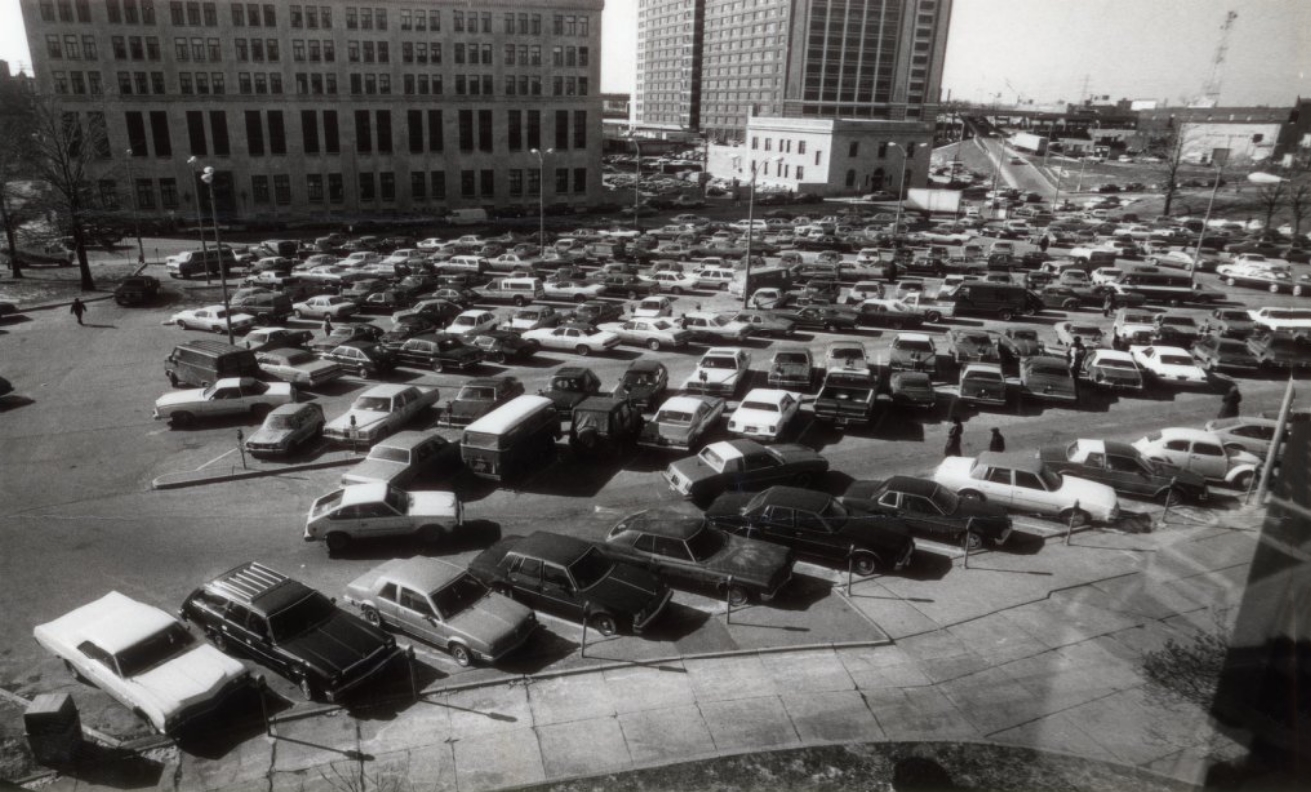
118,768
800,594
238,720
542,651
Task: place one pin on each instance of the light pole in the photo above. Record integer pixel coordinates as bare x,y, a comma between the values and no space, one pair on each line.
751,231
637,188
136,214
1219,156
901,187
1083,163
207,176
541,198
200,220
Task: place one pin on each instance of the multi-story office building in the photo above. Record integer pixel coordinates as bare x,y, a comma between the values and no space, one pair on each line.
305,109
867,59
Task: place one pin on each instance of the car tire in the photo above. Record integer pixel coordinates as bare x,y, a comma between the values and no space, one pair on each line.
582,350
677,291
1231,281
337,542
219,640
1274,288
432,534
73,672
300,314
181,324
460,654
653,345
307,689
605,624
518,302
865,564
579,298
973,495
1006,315
1171,496
737,595
973,540
723,286
933,316
1078,517
181,419
1244,480
371,615
361,371
1298,290
803,479
437,367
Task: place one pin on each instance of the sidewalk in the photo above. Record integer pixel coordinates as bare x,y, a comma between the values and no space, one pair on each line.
1061,671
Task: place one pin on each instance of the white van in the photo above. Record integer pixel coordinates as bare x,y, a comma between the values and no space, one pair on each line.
714,276
472,264
519,291
467,216
1295,319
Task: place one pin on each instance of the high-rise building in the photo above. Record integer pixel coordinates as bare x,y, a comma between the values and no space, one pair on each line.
709,65
414,106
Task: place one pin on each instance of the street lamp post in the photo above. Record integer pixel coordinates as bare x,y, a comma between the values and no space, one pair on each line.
1219,157
207,176
901,187
751,231
200,220
1083,163
637,188
136,215
541,198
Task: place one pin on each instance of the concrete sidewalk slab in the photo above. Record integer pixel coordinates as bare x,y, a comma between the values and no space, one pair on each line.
943,656
749,724
311,742
832,717
814,671
992,639
993,700
423,723
1059,732
915,714
485,710
895,615
587,747
666,735
882,667
569,698
248,762
497,760
640,687
736,677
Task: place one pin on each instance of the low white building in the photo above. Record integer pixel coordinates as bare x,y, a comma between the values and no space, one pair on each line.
826,157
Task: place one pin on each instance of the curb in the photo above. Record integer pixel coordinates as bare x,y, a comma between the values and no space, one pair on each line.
170,481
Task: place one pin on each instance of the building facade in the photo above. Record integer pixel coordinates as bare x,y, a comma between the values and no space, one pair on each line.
866,59
332,108
828,156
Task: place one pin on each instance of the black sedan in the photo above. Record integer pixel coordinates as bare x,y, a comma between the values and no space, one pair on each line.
596,312
819,317
687,551
405,328
1020,342
574,579
628,286
932,511
502,345
345,333
1123,468
388,302
643,383
817,525
439,352
743,465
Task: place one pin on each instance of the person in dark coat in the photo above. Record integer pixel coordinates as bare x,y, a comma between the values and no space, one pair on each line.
1045,243
997,443
1076,356
327,326
892,271
1108,304
954,438
1229,403
77,309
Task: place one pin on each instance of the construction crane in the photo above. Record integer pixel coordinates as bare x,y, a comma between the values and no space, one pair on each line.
1211,88
1019,97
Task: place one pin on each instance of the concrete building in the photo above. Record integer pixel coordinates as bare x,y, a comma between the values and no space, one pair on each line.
1250,133
866,59
332,108
827,156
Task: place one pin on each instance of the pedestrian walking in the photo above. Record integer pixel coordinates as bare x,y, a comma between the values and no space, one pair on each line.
1076,356
1229,402
77,309
892,271
997,443
1045,242
1108,304
327,325
954,438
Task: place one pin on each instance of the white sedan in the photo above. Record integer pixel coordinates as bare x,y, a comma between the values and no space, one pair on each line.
579,338
325,305
1024,483
472,322
654,308
143,657
228,396
673,282
764,413
572,290
213,318
1169,365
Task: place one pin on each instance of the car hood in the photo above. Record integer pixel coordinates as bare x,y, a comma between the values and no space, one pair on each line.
372,470
1186,371
755,417
265,436
627,589
337,644
749,559
490,621
180,397
187,679
715,376
792,369
1089,494
363,418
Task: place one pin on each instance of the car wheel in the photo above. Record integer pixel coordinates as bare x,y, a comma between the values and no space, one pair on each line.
653,345
337,542
503,590
1274,288
973,495
1070,305
306,686
579,298
300,314
432,534
182,324
605,624
460,654
73,672
973,541
582,350
1298,290
737,595
676,291
1244,480
803,479
1006,315
437,366
865,564
723,286
518,301
1171,496
371,616
933,316
1231,281
361,371
217,638
182,419
1077,517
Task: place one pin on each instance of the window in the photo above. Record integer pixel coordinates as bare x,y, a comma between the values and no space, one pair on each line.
218,124
383,120
561,181
277,133
336,188
466,130
145,194
238,15
436,137
534,129
580,129
196,132
136,133
313,184
853,150
331,139
561,130
387,185
271,20
363,133
168,193
418,180
367,191
309,131
999,476
487,183
580,180
282,188
484,130
259,189
53,48
159,133
254,134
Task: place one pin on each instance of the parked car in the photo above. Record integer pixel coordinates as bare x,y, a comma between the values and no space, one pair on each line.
1216,353
288,428
1201,452
265,338
912,389
689,551
400,459
983,383
378,412
720,372
570,385
764,414
581,339
913,352
792,368
743,465
214,318
1229,323
226,397
443,605
1125,469
653,333
344,334
376,509
532,318
501,346
971,345
1175,329
932,511
603,425
682,422
479,396
291,628
1169,365
1024,483
642,383
137,290
1111,369
829,318
439,352
1047,378
817,525
363,358
325,305
1090,335
1021,342
766,323
1245,433
300,367
574,579
145,659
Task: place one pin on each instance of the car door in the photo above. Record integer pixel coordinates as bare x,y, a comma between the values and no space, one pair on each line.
925,519
378,519
1126,474
558,593
387,604
996,484
1178,453
227,400
1031,494
760,468
772,524
525,578
1208,459
419,617
814,536
1094,469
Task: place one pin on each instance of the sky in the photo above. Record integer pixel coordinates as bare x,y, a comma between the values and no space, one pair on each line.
1045,50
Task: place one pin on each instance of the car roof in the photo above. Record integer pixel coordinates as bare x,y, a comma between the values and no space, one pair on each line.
420,573
1113,354
406,440
371,492
556,548
1187,433
767,394
645,364
386,389
911,484
683,403
660,522
721,351
914,337
570,371
796,496
114,622
733,449
261,587
1014,460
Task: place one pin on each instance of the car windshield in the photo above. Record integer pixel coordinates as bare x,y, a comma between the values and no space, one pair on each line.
152,650
476,393
281,421
389,454
372,404
791,357
759,405
1182,321
847,353
1176,360
725,362
661,325
945,500
913,345
987,374
711,459
677,417
705,543
717,321
458,595
635,378
1138,318
590,568
1024,335
1084,330
1115,363
302,616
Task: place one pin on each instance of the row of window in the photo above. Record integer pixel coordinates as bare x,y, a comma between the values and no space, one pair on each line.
75,48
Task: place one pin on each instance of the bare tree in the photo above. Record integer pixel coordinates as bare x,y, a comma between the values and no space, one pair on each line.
1299,203
1169,147
15,134
1270,198
65,153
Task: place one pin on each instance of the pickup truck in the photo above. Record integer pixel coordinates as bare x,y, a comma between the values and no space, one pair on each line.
378,412
1281,349
846,398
